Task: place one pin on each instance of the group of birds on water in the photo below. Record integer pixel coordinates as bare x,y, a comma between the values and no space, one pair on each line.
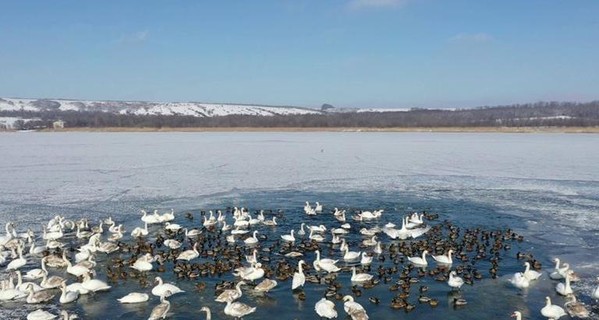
245,249
573,307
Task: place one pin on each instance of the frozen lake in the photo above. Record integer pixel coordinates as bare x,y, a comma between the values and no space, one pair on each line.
544,186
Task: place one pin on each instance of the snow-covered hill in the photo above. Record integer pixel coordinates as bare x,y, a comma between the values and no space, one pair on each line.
196,109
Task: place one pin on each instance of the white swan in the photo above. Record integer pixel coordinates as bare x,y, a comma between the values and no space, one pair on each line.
354,309
189,254
22,286
66,316
237,230
140,232
18,262
150,219
315,237
272,222
254,273
298,277
36,273
67,296
94,285
595,294
8,236
454,281
377,249
238,309
209,223
339,231
324,263
225,227
172,226
301,231
12,294
336,239
351,255
40,314
83,254
192,233
359,277
143,263
517,315
83,234
252,258
370,242
552,311
78,287
564,288
160,311
319,228
35,250
318,207
76,270
416,218
531,274
325,309
519,281
444,259
231,295
288,237
164,288
134,297
168,216
365,259
208,313
265,285
558,273
418,260
252,239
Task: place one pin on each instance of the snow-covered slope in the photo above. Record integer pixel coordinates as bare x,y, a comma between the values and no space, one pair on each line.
196,109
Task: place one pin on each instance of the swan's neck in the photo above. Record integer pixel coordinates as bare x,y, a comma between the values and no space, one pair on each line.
299,267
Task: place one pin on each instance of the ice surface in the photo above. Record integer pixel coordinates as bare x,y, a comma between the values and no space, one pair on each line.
545,186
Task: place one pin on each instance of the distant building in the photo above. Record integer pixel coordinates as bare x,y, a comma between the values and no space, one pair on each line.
59,124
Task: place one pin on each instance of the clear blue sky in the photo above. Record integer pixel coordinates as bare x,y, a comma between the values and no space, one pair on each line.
376,53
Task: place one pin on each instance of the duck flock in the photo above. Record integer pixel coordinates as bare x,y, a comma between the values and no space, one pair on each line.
234,256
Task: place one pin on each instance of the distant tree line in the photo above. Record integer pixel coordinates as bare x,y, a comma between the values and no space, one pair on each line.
519,115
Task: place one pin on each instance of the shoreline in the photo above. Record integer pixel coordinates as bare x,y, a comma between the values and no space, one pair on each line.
344,129
337,129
